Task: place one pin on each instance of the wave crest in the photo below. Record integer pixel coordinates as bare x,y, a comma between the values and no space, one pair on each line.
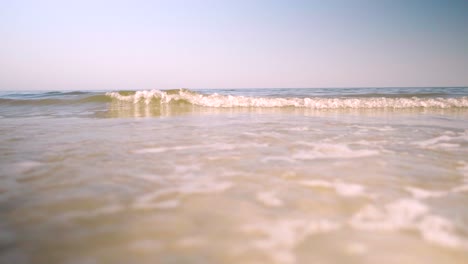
229,101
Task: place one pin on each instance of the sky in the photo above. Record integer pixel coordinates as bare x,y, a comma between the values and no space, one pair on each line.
137,44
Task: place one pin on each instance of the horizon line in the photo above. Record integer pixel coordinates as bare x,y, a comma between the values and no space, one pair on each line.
234,88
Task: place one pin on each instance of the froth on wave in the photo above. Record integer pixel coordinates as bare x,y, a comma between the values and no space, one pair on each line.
229,101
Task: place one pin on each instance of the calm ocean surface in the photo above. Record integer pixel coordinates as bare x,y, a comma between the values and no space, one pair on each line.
234,176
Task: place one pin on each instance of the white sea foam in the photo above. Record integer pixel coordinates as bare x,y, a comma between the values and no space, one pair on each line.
418,193
94,213
26,166
277,158
327,151
341,188
151,150
300,129
164,198
449,139
153,199
217,100
282,236
440,231
167,204
373,128
409,214
436,142
423,194
399,214
269,198
182,148
373,143
205,187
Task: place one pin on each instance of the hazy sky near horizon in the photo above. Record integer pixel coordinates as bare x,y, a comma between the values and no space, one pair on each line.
139,44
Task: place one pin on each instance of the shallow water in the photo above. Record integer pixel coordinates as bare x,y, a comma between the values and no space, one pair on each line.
95,178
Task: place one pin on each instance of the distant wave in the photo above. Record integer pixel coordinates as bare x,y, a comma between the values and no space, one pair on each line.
54,99
228,101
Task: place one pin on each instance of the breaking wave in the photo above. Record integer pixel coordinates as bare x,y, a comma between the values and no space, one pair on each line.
271,99
229,101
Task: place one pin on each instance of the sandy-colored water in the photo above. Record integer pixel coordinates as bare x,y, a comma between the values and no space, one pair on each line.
138,184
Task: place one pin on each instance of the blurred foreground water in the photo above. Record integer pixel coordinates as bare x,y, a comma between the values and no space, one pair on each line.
90,177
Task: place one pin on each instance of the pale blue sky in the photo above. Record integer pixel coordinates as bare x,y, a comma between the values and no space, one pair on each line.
138,44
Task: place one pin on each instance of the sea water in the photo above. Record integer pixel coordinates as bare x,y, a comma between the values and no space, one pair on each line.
234,176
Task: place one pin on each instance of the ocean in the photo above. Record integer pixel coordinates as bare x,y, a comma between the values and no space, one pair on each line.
351,175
